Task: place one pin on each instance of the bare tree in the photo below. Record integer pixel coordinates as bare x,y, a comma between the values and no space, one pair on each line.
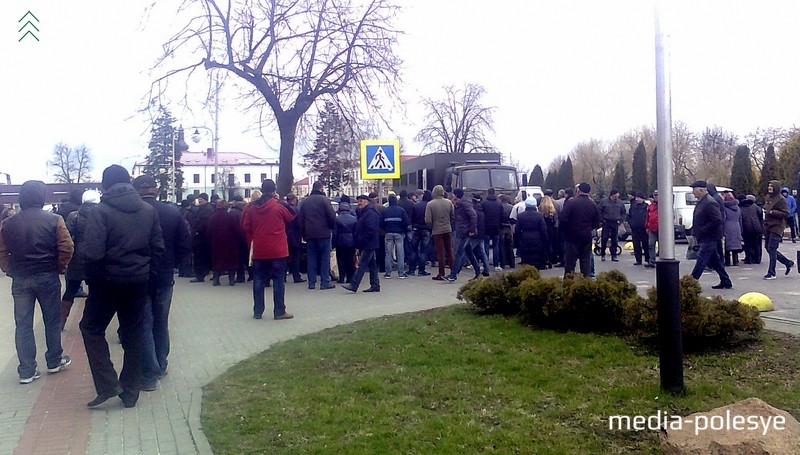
458,123
291,53
761,138
717,148
593,163
71,165
684,154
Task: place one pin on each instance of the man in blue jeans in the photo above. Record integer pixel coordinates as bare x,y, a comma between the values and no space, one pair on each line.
466,231
395,223
316,220
35,247
177,245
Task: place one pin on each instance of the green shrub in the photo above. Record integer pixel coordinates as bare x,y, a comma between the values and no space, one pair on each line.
611,304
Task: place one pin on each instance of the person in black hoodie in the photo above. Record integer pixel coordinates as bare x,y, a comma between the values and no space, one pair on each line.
123,241
177,245
752,228
344,242
34,247
637,215
366,241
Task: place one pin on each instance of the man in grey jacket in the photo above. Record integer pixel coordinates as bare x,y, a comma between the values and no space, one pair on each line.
439,216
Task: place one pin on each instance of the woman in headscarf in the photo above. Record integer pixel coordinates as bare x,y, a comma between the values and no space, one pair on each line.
531,236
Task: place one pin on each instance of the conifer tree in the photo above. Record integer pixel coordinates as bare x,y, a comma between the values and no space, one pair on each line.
158,164
566,178
619,179
334,157
537,176
743,181
551,181
654,172
770,169
639,169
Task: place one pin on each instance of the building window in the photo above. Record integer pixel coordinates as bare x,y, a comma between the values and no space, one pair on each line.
230,180
196,178
196,192
213,179
263,177
247,178
247,192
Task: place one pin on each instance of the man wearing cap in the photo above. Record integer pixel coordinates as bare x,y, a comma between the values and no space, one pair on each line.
123,244
439,217
316,220
35,247
366,241
637,215
651,226
707,230
201,244
776,211
579,217
177,245
612,212
264,225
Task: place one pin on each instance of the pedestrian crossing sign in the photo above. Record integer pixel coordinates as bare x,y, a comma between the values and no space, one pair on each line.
380,159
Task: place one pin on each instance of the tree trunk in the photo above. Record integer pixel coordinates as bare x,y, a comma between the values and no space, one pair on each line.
287,125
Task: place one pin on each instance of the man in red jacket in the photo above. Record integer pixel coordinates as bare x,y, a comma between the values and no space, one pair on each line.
651,226
264,225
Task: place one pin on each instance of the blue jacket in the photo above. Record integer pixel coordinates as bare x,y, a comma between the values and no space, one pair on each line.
791,201
344,230
394,219
177,242
366,232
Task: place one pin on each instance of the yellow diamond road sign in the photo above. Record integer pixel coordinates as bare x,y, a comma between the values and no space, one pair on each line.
380,159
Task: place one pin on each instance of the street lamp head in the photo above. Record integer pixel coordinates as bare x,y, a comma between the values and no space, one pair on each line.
196,136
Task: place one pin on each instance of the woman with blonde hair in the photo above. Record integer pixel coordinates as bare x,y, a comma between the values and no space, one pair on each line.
548,210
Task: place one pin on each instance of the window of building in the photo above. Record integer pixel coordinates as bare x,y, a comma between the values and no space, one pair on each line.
263,177
247,178
247,192
196,178
230,180
213,179
196,192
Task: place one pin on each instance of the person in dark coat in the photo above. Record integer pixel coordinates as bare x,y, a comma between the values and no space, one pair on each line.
493,215
237,206
579,217
707,229
752,228
201,243
185,269
177,245
776,210
421,236
295,239
478,243
637,217
316,220
732,231
531,236
70,205
466,222
410,255
123,241
507,257
366,241
344,242
76,271
612,213
225,235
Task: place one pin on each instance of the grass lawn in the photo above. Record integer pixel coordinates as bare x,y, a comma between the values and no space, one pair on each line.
446,381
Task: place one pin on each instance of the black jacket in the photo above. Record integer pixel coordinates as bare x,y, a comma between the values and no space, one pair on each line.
637,215
316,218
752,217
367,228
530,237
418,216
466,219
344,230
480,224
493,211
707,220
123,237
177,242
76,224
579,217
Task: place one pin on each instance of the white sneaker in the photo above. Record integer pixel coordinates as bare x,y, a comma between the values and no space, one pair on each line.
65,361
36,375
498,269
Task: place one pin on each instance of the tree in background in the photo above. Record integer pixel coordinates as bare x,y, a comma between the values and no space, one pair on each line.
71,165
717,148
639,169
565,177
770,169
334,156
593,164
620,178
654,172
158,164
743,180
286,54
551,181
537,176
789,161
459,123
761,138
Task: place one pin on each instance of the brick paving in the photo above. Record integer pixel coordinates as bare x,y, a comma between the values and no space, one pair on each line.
212,329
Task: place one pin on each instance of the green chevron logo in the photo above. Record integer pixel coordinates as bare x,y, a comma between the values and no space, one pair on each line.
30,26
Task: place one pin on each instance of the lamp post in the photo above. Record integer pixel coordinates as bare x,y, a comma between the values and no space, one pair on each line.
180,144
196,139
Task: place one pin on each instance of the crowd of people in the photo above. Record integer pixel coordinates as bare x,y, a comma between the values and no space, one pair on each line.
127,246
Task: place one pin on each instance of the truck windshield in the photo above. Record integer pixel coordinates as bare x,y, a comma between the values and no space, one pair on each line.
504,179
476,179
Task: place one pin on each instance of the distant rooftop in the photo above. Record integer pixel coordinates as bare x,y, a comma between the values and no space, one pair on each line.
207,158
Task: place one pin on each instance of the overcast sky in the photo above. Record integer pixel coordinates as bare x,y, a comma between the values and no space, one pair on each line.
558,73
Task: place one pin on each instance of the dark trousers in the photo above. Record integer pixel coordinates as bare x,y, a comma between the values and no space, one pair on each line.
708,255
578,251
772,242
444,251
345,259
294,262
202,260
128,301
265,270
609,233
507,247
792,226
156,332
420,240
640,245
366,260
752,247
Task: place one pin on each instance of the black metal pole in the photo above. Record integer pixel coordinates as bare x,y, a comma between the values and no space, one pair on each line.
670,340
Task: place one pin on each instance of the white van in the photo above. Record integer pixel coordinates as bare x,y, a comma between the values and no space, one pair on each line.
683,209
535,191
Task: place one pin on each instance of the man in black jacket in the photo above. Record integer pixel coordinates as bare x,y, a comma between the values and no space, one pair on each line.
637,215
34,247
201,244
707,230
579,217
612,213
123,240
421,236
316,220
177,245
366,241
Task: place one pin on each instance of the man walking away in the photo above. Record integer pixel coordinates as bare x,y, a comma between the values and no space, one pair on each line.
201,243
752,228
344,242
316,220
612,212
35,247
123,243
366,241
579,217
264,225
637,216
177,245
776,211
395,223
707,229
439,216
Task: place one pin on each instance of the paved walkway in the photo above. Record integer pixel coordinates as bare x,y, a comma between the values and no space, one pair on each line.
212,329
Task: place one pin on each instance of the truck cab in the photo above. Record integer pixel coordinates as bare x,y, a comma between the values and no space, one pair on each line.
479,177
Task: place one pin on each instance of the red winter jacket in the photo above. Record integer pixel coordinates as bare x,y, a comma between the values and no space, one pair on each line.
651,222
264,224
